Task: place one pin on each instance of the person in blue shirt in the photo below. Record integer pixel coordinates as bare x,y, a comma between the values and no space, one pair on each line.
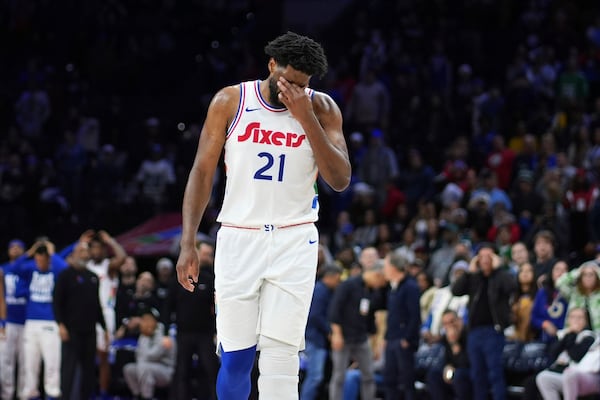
13,354
549,307
41,336
318,330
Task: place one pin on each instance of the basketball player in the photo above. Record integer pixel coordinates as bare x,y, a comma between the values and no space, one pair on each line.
41,340
277,134
12,355
107,269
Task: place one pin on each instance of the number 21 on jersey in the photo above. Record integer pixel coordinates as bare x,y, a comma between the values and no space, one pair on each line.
265,172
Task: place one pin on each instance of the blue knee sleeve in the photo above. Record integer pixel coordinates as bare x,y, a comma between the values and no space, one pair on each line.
233,381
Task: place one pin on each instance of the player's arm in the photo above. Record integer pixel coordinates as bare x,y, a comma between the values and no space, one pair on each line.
221,111
119,252
331,152
321,120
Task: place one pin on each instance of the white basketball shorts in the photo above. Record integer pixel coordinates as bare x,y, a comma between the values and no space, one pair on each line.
264,279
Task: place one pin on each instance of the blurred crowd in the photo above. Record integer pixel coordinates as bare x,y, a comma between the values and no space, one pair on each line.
471,125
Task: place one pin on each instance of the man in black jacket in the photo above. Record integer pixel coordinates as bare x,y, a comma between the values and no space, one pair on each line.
77,310
402,334
193,313
490,289
352,321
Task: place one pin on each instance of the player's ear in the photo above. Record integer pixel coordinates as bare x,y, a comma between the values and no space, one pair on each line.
272,65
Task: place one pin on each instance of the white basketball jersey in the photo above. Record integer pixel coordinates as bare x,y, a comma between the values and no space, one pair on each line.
107,286
270,166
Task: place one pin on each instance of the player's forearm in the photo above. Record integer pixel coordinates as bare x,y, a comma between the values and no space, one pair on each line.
333,163
118,250
195,200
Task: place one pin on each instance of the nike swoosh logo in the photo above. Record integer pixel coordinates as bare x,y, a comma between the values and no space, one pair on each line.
248,109
312,241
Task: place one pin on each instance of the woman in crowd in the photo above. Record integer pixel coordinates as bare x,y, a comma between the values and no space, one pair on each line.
581,287
550,307
574,372
521,308
427,289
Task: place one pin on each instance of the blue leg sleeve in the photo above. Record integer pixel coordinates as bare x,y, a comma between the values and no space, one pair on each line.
233,381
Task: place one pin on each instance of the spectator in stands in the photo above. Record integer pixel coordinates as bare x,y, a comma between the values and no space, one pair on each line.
504,232
155,176
318,331
500,161
543,248
352,321
431,330
77,310
32,110
519,255
13,355
480,218
579,200
164,278
417,180
41,337
580,145
427,292
14,185
366,232
369,104
572,87
193,316
489,186
523,304
454,381
129,308
550,307
571,375
154,358
71,160
407,245
343,234
402,333
581,287
441,259
346,258
127,277
379,165
368,257
490,289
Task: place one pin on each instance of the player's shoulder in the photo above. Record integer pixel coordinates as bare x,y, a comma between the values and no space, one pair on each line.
226,99
323,103
228,94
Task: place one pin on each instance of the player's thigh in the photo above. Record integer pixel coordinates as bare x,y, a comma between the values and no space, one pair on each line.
286,296
239,264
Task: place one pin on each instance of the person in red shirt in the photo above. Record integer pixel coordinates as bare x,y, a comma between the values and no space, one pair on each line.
501,161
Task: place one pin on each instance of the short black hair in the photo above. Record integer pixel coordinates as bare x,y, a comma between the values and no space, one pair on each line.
300,52
487,245
42,250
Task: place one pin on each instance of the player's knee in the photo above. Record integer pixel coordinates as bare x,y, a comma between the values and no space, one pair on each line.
238,364
277,357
